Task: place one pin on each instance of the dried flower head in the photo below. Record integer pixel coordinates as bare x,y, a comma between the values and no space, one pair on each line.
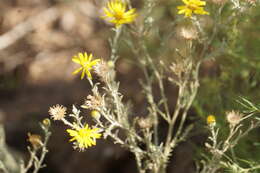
192,6
84,137
86,63
180,67
93,102
234,117
57,112
102,70
189,33
116,13
35,140
211,120
145,123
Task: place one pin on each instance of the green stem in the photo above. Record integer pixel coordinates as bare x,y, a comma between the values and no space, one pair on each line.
114,43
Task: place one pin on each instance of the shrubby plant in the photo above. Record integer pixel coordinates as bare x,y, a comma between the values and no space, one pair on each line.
198,27
221,156
112,116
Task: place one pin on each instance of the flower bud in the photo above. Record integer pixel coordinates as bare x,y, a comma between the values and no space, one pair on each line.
46,122
96,115
111,64
211,120
35,140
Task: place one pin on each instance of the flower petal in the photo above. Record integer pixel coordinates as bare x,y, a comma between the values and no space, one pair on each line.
76,60
83,74
88,74
94,62
77,70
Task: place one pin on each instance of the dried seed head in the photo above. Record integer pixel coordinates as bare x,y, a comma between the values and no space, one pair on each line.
177,68
188,33
57,112
181,67
93,102
35,140
234,117
145,123
102,69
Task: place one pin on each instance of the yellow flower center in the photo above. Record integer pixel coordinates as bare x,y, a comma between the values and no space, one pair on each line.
85,64
192,6
118,15
83,133
211,119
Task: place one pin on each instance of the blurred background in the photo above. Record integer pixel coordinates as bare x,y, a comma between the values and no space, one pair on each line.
38,39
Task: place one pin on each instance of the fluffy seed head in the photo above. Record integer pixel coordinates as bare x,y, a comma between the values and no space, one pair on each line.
57,112
103,69
234,117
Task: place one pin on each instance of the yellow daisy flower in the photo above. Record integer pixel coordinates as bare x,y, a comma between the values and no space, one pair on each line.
85,137
86,64
211,120
192,6
116,13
